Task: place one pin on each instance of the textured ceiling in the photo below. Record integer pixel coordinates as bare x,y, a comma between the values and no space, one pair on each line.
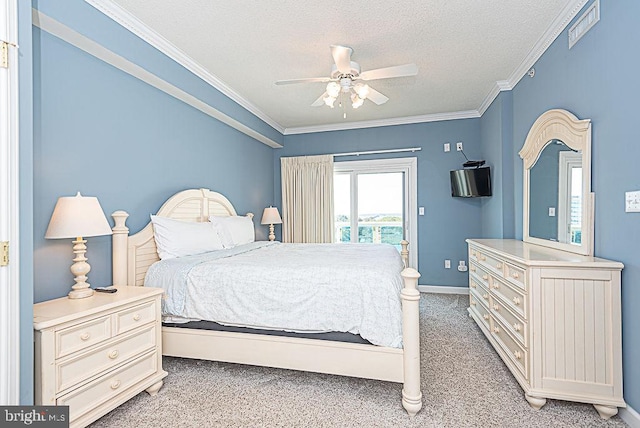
461,48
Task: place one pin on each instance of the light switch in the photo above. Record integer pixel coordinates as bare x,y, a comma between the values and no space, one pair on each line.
421,211
552,211
632,202
447,147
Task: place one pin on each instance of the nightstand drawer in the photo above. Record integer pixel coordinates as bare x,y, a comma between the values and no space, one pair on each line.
82,336
81,367
84,399
135,317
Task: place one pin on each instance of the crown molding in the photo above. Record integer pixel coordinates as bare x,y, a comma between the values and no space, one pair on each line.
466,114
140,29
137,27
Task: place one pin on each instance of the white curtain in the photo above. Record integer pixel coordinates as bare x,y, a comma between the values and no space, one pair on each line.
307,199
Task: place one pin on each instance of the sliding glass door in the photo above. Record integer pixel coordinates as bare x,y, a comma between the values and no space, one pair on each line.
372,201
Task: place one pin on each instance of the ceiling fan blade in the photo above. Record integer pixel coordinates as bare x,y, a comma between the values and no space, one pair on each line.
308,80
377,97
320,101
388,72
342,58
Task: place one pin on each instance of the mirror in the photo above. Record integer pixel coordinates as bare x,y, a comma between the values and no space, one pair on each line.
557,194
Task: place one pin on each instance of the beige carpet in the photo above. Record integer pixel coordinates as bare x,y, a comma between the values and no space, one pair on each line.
464,384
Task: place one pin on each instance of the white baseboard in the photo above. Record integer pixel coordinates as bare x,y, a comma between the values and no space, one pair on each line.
630,416
443,289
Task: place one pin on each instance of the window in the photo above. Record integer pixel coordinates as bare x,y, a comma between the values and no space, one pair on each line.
375,202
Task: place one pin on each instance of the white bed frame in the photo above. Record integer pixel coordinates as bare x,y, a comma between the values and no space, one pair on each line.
132,256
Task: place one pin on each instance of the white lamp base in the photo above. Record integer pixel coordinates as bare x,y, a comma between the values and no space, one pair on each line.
80,269
272,235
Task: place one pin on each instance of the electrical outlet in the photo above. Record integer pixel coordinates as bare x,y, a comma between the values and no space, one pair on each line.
421,211
632,202
447,147
552,211
447,264
462,266
459,146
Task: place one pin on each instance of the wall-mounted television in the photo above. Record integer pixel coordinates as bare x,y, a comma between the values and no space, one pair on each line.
471,183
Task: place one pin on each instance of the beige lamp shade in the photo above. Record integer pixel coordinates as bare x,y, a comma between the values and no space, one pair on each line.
77,216
271,216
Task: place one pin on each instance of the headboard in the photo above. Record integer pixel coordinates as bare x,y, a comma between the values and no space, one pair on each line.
132,255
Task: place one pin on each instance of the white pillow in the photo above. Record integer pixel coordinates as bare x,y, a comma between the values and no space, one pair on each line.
234,230
176,238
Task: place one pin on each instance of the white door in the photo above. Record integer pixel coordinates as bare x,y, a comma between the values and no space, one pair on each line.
9,281
375,202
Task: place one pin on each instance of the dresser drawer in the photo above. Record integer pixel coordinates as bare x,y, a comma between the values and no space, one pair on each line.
135,317
82,336
516,354
481,312
81,367
516,275
82,400
481,276
516,327
491,264
512,297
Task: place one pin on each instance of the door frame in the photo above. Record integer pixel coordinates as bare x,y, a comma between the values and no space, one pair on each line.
9,275
407,165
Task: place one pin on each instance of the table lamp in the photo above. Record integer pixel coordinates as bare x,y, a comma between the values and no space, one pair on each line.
77,217
271,216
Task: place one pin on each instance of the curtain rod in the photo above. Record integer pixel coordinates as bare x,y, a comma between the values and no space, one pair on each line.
375,152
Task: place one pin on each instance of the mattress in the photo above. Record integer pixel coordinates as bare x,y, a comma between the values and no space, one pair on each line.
301,288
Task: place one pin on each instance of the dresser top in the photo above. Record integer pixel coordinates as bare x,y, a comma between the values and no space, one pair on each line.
57,311
536,255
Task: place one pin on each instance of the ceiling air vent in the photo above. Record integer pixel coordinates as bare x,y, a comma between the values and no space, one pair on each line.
584,23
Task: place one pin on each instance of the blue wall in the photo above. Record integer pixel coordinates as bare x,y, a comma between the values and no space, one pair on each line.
447,221
104,133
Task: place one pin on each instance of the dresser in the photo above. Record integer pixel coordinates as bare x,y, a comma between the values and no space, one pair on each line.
95,353
554,319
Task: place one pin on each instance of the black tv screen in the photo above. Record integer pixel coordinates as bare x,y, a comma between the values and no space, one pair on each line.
471,183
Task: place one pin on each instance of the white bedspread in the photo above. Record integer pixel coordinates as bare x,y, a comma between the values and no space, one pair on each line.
293,287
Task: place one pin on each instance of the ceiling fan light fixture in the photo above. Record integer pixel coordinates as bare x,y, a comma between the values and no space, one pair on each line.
329,100
356,101
333,89
362,90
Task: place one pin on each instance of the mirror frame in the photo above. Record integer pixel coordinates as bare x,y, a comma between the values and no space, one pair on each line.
557,124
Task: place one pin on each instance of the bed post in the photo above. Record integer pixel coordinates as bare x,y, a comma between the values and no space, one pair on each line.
119,248
404,253
411,395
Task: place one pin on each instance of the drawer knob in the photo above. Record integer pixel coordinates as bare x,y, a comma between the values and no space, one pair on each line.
517,327
485,296
496,330
485,316
85,336
113,354
495,286
473,302
496,308
473,285
517,354
485,277
136,317
115,384
473,268
516,300
483,258
515,275
498,265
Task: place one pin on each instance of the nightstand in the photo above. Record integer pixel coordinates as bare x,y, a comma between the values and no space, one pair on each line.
93,354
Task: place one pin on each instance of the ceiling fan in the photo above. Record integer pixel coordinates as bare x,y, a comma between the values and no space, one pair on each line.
346,77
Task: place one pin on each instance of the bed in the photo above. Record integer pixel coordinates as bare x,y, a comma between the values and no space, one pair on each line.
393,360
